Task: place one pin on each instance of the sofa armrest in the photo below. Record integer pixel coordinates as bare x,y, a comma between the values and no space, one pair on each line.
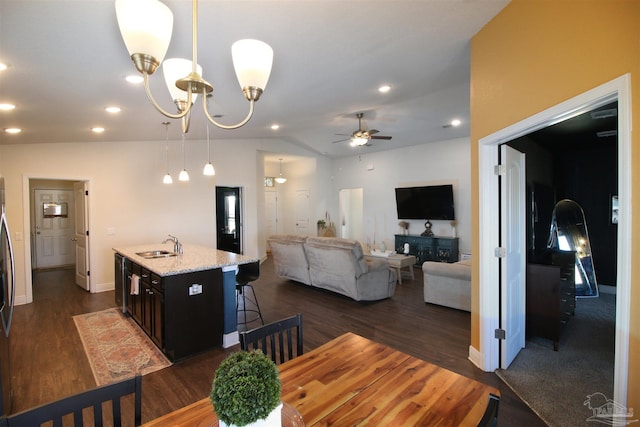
376,264
457,270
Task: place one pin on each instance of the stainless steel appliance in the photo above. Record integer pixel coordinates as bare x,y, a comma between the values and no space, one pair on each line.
7,294
120,275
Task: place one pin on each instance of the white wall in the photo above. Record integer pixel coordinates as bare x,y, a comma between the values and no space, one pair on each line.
444,162
302,173
127,194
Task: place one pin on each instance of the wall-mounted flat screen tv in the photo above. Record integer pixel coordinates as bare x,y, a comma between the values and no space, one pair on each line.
429,202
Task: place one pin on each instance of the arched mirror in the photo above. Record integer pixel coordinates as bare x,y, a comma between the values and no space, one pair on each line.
569,233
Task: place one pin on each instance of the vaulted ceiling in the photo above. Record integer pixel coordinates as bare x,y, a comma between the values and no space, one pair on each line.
67,62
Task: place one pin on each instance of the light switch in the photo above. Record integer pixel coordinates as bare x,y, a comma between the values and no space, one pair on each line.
18,235
111,231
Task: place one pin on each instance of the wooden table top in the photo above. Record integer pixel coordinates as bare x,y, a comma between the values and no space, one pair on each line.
352,381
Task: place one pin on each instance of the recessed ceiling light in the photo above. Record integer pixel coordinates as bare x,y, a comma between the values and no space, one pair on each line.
112,109
13,130
7,107
384,88
275,126
135,79
455,122
97,129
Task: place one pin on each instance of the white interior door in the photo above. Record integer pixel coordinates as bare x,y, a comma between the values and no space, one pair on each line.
351,213
271,212
54,228
513,241
302,212
81,235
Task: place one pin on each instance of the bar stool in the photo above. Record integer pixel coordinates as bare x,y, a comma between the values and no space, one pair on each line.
247,273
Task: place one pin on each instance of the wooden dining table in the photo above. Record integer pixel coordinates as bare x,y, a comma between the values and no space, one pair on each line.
353,381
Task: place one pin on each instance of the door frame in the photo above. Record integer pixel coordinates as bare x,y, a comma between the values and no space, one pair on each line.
240,210
26,206
487,356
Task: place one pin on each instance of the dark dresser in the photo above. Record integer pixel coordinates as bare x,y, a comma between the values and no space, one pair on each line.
551,295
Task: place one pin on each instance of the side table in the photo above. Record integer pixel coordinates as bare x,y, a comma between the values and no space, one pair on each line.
398,262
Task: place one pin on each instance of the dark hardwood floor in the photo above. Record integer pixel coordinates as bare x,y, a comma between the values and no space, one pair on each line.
48,361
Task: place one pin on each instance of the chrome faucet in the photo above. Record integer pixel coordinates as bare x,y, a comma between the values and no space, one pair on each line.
177,246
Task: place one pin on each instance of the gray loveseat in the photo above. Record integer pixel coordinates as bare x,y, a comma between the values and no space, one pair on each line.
448,284
334,264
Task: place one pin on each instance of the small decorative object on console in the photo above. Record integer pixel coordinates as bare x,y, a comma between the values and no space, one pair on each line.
427,229
404,227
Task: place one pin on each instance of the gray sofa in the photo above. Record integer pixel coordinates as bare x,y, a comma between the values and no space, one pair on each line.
448,284
334,264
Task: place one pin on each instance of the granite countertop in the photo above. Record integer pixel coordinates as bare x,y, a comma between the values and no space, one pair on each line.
193,258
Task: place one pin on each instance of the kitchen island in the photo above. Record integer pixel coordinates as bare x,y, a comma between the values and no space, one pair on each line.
184,302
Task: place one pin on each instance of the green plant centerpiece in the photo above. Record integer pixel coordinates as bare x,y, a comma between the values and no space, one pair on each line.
246,390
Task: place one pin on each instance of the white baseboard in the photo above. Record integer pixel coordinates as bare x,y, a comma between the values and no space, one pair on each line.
476,357
103,287
231,339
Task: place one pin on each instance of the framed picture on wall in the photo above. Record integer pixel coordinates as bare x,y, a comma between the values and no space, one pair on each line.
268,181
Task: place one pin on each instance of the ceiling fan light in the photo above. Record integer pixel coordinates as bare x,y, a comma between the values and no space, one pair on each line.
358,141
252,61
146,27
175,69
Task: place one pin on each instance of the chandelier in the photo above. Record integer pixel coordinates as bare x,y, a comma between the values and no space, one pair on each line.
146,27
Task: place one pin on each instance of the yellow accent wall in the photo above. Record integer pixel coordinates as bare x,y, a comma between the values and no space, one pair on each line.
536,54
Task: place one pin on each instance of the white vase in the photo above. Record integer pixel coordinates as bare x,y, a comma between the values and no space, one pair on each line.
274,419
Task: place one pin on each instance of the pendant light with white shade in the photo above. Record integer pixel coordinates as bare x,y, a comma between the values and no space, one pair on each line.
167,178
184,176
146,28
281,179
208,168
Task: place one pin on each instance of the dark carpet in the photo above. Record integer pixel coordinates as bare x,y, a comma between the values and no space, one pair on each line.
555,384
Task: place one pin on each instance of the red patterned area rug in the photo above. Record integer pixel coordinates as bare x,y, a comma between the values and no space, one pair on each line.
116,347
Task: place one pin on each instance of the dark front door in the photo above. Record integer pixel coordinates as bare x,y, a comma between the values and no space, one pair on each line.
229,219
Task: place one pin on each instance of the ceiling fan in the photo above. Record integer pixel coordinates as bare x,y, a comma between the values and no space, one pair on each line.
362,136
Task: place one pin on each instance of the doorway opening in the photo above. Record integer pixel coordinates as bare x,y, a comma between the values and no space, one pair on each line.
229,219
487,357
351,214
57,212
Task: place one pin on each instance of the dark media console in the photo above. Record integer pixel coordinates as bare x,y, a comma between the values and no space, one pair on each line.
432,248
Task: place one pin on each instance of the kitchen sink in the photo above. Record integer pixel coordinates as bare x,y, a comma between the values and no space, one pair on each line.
156,254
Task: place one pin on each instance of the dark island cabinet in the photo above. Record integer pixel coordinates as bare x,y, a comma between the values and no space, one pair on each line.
551,296
193,312
182,313
429,248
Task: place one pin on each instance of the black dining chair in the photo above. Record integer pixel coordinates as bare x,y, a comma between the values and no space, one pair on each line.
490,417
75,404
248,273
277,340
